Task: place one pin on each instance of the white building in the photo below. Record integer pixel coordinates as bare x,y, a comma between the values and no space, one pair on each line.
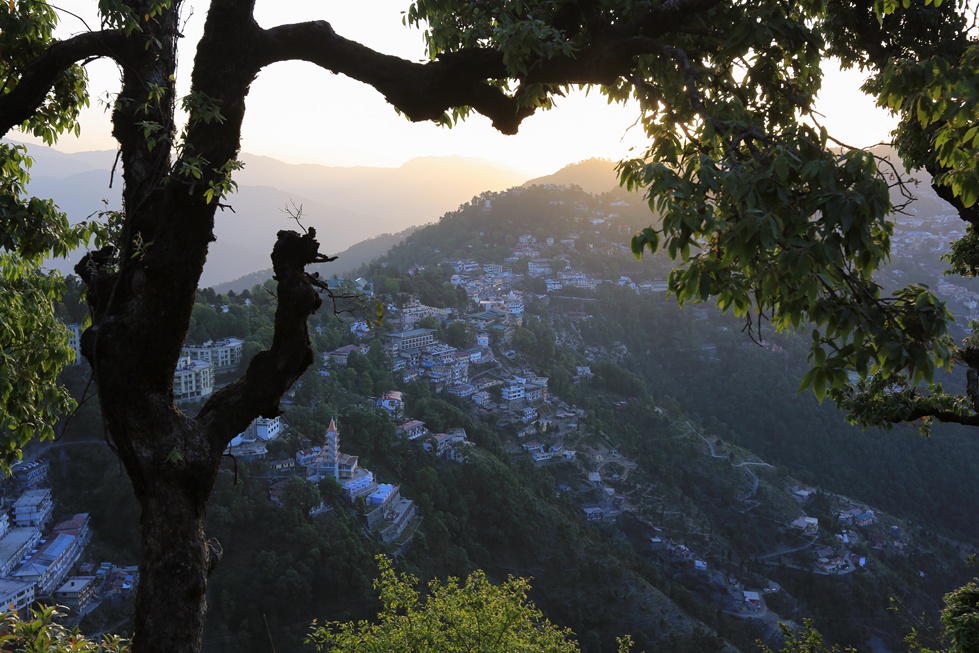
192,380
261,428
223,355
15,595
33,509
513,392
361,484
50,564
30,474
392,401
15,546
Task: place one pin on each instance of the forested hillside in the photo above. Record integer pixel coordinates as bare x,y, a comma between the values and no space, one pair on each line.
652,490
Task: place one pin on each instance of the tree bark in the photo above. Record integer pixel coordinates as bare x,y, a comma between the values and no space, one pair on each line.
177,560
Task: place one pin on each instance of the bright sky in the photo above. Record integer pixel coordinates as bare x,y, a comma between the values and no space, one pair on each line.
301,114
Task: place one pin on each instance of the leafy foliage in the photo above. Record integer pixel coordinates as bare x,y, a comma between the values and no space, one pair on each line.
33,342
42,633
454,617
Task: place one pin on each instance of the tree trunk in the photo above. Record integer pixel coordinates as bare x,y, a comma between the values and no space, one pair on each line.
176,562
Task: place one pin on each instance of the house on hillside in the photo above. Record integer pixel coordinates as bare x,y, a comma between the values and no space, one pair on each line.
413,429
392,401
339,356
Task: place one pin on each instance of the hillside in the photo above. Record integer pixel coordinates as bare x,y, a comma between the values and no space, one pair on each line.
594,176
651,468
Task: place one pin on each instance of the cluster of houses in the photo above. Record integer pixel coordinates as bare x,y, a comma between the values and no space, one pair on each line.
451,445
856,523
37,557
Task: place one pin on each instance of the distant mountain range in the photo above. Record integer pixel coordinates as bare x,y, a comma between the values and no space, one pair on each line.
345,205
349,259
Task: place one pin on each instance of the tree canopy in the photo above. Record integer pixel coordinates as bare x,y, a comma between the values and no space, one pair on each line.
454,616
763,210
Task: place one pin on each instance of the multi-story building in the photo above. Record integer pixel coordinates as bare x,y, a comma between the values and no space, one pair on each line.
413,429
76,592
16,595
15,545
51,563
361,484
261,428
413,339
193,379
513,392
399,516
33,509
392,401
30,474
223,355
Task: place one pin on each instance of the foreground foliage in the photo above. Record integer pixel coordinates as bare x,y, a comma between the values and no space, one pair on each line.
454,617
43,634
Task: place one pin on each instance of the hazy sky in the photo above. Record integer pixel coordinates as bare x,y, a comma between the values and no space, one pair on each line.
300,113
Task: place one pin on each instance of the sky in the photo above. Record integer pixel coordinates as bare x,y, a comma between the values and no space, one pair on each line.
299,113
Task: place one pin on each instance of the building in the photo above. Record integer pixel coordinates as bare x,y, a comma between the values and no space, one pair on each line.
327,462
33,509
398,517
361,484
306,457
413,339
808,525
30,474
16,595
347,466
15,546
76,592
392,401
75,341
50,564
539,267
513,392
261,428
339,357
413,429
76,525
223,355
193,380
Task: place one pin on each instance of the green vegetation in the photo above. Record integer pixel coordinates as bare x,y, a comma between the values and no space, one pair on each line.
42,632
453,617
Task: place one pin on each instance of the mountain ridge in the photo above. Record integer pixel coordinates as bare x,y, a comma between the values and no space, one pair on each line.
343,203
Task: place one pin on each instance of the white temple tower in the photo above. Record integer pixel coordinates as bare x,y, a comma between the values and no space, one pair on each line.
331,449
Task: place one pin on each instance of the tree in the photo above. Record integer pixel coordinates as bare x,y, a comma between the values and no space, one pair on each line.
43,633
454,617
771,223
764,215
460,334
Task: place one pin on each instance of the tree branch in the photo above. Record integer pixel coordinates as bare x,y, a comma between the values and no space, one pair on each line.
21,103
425,91
420,91
272,372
